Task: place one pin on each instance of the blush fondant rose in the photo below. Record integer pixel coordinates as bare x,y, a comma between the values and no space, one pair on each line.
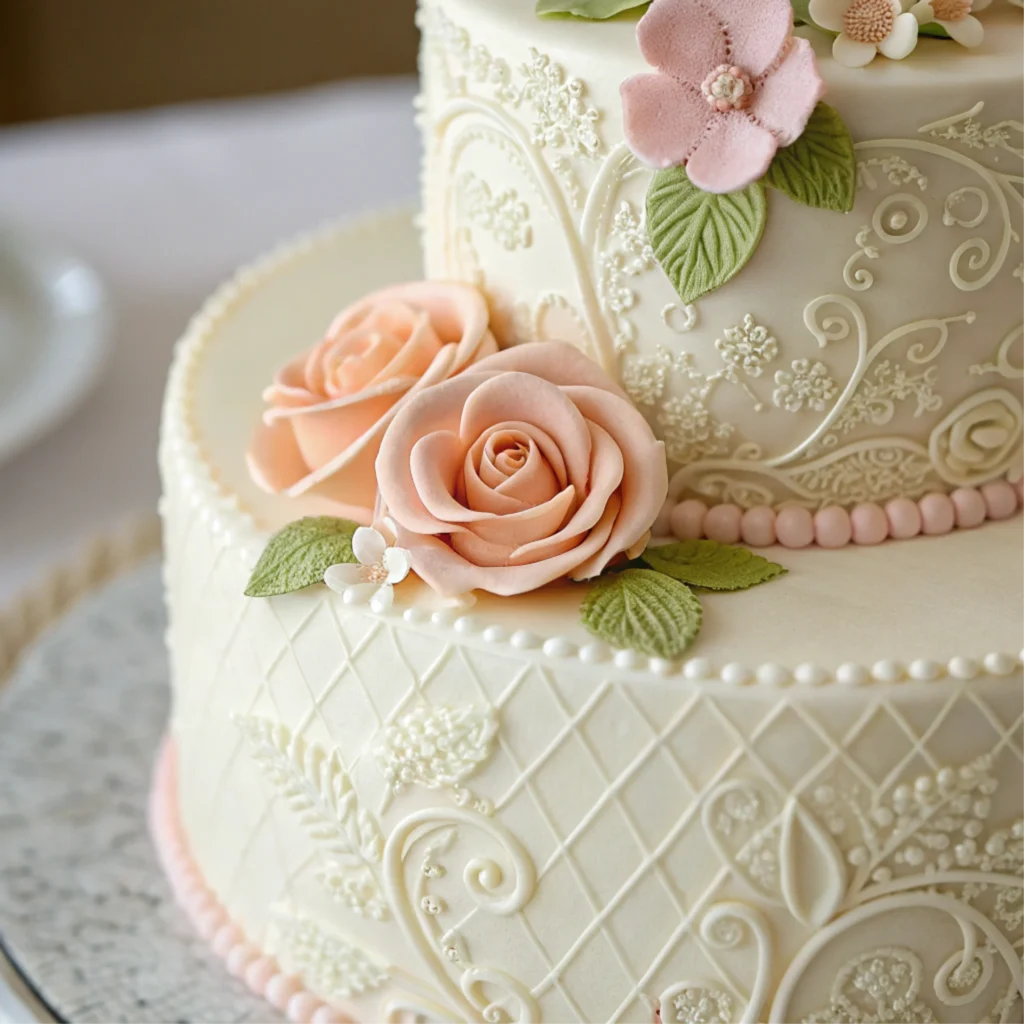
732,86
530,467
330,407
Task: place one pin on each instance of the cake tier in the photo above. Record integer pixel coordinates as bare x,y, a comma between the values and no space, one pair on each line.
482,814
854,354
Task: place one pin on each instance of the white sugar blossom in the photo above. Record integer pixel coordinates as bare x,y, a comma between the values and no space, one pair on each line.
867,28
373,579
955,16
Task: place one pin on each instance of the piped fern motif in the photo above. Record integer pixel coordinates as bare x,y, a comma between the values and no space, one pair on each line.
318,791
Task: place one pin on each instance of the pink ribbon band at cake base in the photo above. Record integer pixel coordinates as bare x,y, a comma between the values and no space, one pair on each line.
260,972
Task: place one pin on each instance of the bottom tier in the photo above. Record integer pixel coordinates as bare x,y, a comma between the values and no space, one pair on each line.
455,814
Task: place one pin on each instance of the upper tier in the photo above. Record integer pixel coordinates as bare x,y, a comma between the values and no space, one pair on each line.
856,357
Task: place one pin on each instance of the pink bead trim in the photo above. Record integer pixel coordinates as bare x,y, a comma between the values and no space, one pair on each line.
834,527
242,959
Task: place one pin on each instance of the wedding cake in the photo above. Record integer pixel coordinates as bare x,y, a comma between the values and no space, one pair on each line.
617,614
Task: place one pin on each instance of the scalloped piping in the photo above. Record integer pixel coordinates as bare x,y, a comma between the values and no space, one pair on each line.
242,958
44,602
182,456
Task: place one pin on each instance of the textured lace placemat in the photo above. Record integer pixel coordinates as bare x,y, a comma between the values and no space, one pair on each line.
85,913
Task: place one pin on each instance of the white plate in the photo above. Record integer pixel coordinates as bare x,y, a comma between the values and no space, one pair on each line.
53,336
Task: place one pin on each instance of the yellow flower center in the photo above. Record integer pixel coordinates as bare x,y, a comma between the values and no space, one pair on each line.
869,21
951,10
728,88
377,573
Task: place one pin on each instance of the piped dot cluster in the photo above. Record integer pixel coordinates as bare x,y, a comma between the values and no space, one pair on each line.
243,960
866,524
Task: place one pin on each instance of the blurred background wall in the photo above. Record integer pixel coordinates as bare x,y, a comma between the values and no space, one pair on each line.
65,57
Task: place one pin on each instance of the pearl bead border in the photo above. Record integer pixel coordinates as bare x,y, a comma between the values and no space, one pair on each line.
867,524
186,464
262,973
465,626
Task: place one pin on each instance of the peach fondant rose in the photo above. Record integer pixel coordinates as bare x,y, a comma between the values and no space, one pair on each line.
330,407
529,467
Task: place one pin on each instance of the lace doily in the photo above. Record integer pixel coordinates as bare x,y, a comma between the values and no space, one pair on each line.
85,912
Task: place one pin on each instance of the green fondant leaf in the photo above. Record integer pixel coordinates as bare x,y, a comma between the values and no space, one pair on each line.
933,29
643,611
599,10
820,168
713,566
702,239
594,10
801,11
300,554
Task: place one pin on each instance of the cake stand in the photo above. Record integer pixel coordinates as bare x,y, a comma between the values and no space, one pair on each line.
88,927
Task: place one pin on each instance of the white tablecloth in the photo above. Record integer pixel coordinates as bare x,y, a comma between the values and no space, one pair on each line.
166,204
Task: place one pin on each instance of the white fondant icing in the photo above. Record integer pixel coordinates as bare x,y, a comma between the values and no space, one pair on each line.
586,874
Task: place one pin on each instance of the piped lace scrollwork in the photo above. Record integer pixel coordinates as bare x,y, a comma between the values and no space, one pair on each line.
822,470
725,926
498,877
886,983
1001,363
838,860
855,447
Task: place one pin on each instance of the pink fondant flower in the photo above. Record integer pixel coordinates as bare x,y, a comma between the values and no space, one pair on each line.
529,467
329,408
732,86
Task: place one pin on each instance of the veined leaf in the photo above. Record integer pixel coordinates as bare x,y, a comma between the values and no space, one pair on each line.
702,239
